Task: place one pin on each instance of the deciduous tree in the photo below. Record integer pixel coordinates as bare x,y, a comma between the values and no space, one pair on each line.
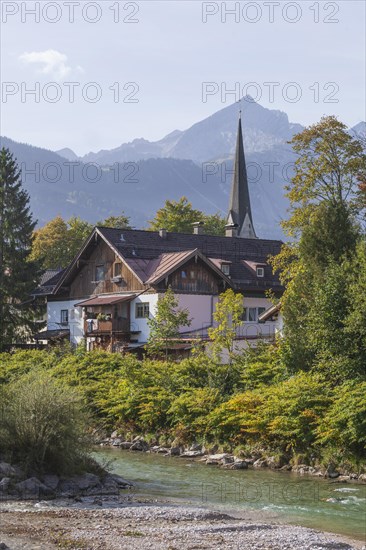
118,222
324,234
228,316
164,326
56,243
179,217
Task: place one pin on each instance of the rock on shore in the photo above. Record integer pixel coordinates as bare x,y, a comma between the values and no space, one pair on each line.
16,486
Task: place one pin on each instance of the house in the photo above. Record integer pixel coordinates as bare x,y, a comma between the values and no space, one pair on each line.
47,334
114,283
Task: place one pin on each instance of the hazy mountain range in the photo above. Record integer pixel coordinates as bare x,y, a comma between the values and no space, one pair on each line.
137,177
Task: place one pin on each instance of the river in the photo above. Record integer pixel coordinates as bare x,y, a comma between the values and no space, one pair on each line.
318,503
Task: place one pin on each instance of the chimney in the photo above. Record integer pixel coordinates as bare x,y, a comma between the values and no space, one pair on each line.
163,233
231,230
198,228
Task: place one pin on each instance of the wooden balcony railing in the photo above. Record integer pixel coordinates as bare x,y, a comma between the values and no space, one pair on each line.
93,327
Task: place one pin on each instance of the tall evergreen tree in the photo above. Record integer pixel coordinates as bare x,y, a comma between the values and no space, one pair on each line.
18,276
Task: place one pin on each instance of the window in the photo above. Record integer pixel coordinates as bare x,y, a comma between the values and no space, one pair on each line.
142,310
260,311
99,272
260,271
252,314
64,316
117,270
225,268
183,274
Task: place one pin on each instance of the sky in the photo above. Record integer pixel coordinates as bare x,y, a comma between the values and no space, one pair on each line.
107,72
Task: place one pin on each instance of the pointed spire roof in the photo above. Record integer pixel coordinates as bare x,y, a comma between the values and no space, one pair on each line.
240,212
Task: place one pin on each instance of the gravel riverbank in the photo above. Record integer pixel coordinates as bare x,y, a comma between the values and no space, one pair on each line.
150,525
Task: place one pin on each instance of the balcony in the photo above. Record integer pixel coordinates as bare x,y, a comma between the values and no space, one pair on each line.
93,327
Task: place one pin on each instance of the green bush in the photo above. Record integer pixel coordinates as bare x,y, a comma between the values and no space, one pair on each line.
189,411
342,430
43,425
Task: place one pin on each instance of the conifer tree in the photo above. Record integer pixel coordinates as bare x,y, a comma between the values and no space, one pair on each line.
18,276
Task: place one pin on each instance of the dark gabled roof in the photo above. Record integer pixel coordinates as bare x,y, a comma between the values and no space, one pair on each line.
48,275
151,257
141,251
48,282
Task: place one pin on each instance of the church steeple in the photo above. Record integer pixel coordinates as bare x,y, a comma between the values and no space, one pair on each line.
240,213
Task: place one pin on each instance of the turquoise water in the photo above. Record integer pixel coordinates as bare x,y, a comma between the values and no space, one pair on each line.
317,503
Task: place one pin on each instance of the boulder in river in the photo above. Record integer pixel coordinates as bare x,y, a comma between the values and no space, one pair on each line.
175,451
219,457
139,445
191,454
238,464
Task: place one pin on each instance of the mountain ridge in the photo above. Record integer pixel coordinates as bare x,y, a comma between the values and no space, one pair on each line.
148,173
263,128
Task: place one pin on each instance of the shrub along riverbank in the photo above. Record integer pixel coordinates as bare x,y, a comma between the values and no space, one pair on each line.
253,406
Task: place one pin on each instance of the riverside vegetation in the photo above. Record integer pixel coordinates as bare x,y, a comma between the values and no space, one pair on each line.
254,407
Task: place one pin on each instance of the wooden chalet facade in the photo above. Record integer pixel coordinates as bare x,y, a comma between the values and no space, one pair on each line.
114,284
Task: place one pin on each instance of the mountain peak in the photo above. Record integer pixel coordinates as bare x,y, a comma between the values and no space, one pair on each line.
67,153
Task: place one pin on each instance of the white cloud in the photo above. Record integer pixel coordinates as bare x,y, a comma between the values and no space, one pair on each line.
52,63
